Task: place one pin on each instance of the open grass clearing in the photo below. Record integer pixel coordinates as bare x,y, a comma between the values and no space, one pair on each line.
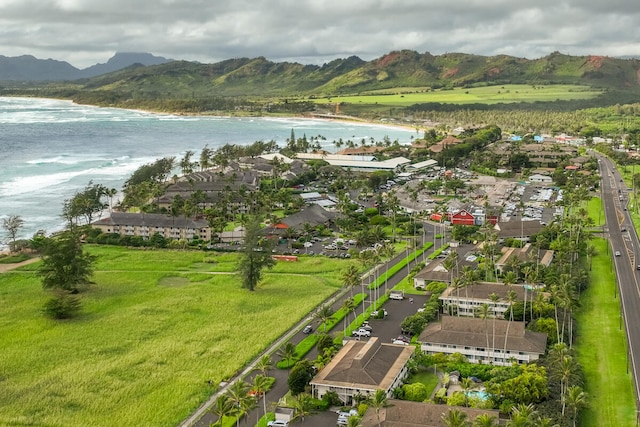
595,208
480,95
151,334
602,347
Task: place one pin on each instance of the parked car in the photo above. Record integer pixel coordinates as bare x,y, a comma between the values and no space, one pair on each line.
348,413
403,338
361,332
278,423
307,329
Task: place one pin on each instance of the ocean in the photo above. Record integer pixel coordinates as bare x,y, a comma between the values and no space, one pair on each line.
50,149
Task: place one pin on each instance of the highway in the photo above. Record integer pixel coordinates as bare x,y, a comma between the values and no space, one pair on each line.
623,238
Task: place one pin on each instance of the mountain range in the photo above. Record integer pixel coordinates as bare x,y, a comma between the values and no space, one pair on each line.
30,68
140,77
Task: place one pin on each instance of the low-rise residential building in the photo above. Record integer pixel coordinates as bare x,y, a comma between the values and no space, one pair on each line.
542,179
483,340
146,225
418,414
313,215
527,253
467,301
362,367
517,229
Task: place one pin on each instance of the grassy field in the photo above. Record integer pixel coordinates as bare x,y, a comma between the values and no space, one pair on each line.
601,346
482,95
155,327
596,211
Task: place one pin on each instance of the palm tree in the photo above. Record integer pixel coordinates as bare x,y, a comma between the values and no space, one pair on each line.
494,301
523,416
222,407
323,315
576,400
378,402
247,404
351,277
467,385
455,418
287,352
348,306
546,422
303,406
484,311
264,364
260,385
354,421
511,297
238,394
485,420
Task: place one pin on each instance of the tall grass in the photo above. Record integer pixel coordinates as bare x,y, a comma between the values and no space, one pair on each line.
152,333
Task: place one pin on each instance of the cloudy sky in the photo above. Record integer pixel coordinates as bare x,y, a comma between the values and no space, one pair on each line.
86,32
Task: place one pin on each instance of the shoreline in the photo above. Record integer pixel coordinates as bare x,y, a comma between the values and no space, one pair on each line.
317,116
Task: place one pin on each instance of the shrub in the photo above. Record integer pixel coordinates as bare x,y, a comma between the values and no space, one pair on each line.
62,305
416,392
332,398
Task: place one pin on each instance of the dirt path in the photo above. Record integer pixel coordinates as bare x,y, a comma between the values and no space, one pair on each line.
6,267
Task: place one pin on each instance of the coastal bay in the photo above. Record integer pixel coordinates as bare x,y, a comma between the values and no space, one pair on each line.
49,149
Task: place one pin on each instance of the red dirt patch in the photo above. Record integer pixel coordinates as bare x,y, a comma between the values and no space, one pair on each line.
595,61
450,73
493,71
387,59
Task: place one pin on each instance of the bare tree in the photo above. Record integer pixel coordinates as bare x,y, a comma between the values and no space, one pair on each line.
12,225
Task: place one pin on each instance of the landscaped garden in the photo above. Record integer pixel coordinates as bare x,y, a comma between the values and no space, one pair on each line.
157,331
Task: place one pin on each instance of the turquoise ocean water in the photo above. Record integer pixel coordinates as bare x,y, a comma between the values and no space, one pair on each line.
49,149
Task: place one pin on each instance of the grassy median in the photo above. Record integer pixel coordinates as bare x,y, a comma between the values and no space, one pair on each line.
602,347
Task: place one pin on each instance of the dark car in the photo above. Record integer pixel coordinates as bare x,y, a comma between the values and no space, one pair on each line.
307,329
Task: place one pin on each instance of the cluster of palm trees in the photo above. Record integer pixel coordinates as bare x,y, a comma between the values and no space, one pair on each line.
241,396
521,416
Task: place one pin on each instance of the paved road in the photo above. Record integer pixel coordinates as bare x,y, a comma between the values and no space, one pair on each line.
615,196
385,329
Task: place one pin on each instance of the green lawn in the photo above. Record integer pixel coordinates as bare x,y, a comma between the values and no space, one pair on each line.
155,327
400,97
596,211
426,377
601,346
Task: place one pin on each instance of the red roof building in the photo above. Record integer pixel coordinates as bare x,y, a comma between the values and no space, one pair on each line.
462,217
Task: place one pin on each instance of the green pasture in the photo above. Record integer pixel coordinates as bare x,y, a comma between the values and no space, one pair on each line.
478,95
154,329
602,347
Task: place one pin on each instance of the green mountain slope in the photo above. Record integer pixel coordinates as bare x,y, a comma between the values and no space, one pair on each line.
259,77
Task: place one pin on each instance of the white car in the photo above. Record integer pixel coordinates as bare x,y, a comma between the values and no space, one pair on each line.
308,244
362,332
278,423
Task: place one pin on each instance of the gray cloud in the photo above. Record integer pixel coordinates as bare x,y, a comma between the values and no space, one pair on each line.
84,32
